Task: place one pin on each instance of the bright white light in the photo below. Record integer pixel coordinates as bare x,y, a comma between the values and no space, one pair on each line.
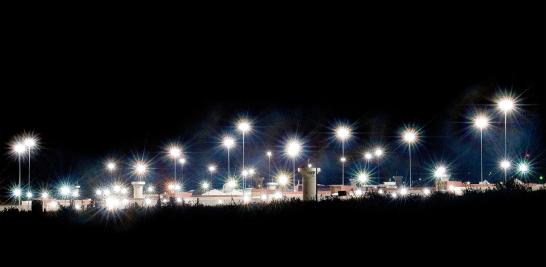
44,195
175,152
124,191
220,202
426,192
523,168
394,195
179,199
111,166
18,148
410,136
403,191
106,192
140,168
251,171
269,153
293,148
212,168
77,207
228,142
381,192
30,142
177,187
440,172
205,185
243,126
17,192
481,122
505,164
277,195
505,104
29,194
182,161
343,132
116,188
150,189
263,197
112,203
64,190
170,187
368,156
231,183
362,177
98,192
358,192
246,199
378,152
76,193
283,179
147,201
343,159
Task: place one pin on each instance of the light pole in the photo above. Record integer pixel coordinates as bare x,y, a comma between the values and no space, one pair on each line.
182,162
283,180
175,153
505,165
18,149
269,154
343,133
481,122
228,143
505,105
244,126
30,142
410,137
212,169
293,149
379,152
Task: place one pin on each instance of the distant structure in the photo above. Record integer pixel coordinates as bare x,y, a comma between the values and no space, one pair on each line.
309,177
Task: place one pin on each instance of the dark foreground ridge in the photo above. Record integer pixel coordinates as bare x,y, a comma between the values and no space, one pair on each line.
491,226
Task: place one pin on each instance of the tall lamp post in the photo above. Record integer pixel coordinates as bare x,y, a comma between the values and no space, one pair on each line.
343,133
182,162
378,153
293,149
18,149
505,105
228,143
31,143
244,127
269,154
175,153
481,122
212,169
505,164
410,137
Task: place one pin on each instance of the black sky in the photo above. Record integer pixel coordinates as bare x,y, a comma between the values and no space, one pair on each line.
100,79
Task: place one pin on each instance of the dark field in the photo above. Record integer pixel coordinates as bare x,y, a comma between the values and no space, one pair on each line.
488,227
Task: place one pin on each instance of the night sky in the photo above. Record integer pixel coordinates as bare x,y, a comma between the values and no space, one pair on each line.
101,80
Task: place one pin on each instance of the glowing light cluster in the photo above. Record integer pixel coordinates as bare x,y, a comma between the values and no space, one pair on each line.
410,136
293,148
343,132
